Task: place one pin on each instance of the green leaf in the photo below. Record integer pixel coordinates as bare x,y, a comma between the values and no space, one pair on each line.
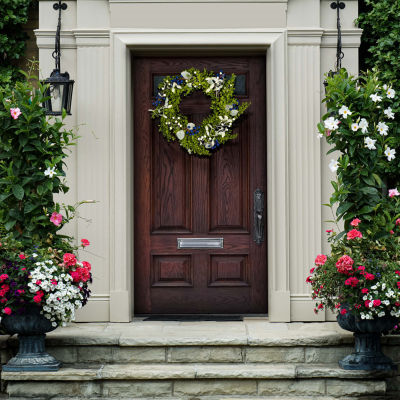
10,224
343,208
29,207
18,191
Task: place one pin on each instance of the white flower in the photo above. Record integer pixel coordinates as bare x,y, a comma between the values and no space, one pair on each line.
383,286
186,75
34,255
370,143
354,127
385,86
228,107
209,145
175,86
381,314
388,112
375,98
190,126
331,123
390,153
382,128
234,113
374,287
333,165
363,124
320,135
50,172
215,83
390,93
344,111
180,135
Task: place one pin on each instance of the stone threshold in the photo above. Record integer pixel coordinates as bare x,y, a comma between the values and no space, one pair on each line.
195,372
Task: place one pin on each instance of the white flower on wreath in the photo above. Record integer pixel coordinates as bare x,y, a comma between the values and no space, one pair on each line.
186,75
190,126
210,144
175,86
226,120
390,93
370,143
363,124
375,98
344,111
388,112
331,123
382,128
333,165
180,134
215,83
50,172
390,153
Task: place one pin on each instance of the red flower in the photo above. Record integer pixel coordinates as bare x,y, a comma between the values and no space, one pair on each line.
397,221
22,256
329,231
354,233
391,232
69,259
398,285
309,280
321,259
369,277
38,282
361,268
7,310
312,270
366,303
357,306
355,222
343,311
37,299
397,304
397,272
337,305
87,265
377,303
364,290
352,281
320,306
3,277
53,282
345,265
85,242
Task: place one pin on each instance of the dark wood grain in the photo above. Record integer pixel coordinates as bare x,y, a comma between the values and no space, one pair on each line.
177,195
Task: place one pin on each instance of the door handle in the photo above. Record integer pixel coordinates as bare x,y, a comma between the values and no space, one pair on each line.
258,204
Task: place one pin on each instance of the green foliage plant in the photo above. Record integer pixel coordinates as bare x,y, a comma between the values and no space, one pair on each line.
13,14
360,124
33,149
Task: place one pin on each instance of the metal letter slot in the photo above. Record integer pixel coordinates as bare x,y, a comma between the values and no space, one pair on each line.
200,243
258,216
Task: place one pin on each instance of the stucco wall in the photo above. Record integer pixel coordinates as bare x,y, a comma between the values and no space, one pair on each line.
299,40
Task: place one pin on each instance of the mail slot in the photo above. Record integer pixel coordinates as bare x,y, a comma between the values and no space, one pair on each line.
200,243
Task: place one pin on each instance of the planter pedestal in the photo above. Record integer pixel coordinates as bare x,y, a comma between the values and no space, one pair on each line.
32,356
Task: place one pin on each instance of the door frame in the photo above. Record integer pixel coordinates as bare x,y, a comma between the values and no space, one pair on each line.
272,43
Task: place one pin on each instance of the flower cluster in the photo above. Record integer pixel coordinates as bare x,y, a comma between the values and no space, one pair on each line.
216,128
361,275
51,279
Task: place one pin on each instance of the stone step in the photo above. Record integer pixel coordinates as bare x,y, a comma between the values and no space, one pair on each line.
199,380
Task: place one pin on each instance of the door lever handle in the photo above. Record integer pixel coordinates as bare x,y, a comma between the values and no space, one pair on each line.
258,204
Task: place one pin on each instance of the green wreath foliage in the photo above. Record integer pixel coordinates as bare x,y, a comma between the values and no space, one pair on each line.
215,129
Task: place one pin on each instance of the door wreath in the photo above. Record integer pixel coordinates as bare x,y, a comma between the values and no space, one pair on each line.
215,129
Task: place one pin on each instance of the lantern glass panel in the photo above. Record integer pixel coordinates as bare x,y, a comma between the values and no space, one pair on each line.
57,95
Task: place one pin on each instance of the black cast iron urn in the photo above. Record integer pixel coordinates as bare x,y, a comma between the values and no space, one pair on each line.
367,353
31,327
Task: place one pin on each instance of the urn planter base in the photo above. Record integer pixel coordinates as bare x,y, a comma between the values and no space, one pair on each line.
367,354
32,356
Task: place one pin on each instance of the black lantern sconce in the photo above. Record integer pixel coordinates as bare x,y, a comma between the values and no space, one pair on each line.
60,86
337,5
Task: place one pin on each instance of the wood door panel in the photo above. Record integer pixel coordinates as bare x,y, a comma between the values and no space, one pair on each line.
170,187
178,195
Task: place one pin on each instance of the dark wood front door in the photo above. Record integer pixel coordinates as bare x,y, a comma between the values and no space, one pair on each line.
183,196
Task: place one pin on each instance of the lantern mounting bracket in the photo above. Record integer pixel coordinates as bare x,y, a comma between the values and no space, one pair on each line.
338,5
57,52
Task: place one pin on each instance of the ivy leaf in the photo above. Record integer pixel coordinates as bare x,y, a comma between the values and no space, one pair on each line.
18,191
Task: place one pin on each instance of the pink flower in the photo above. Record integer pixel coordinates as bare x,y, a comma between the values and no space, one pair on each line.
357,306
37,299
312,270
38,282
22,256
343,311
15,112
85,242
309,280
393,192
329,231
69,259
56,218
369,277
364,290
377,303
321,259
367,303
345,265
352,281
53,282
7,310
355,222
354,233
391,232
3,277
320,306
361,268
87,265
397,221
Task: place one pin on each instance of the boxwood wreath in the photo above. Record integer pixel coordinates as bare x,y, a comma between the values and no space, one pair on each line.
215,129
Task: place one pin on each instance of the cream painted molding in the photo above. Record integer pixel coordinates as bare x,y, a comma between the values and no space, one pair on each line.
72,38
45,39
92,37
271,41
304,36
198,1
350,38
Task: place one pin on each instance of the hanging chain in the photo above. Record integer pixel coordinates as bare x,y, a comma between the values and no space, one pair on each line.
338,5
57,52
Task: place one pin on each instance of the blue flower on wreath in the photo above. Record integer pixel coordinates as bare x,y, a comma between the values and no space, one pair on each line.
159,100
192,129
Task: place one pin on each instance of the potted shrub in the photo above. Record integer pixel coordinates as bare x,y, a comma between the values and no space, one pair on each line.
360,278
41,280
